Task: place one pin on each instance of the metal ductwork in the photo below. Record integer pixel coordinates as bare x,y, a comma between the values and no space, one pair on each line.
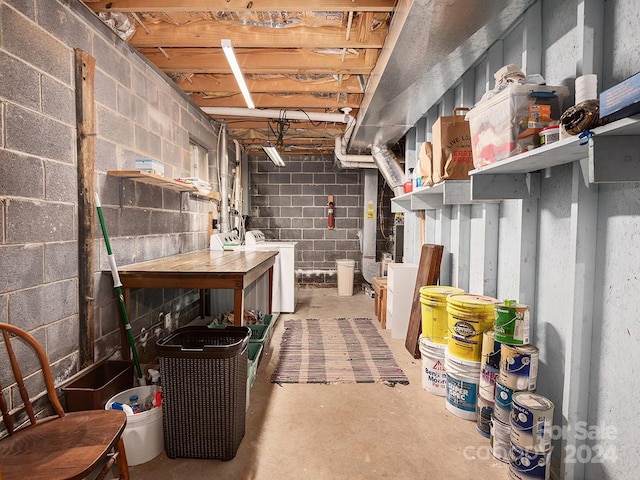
389,167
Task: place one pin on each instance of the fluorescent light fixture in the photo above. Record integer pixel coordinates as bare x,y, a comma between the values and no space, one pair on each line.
274,156
227,48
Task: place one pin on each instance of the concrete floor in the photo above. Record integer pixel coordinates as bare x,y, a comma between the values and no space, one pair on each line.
347,431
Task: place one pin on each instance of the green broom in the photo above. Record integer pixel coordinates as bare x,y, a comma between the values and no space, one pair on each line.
117,285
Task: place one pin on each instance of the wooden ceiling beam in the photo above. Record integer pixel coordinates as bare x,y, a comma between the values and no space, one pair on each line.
228,84
240,5
265,60
209,33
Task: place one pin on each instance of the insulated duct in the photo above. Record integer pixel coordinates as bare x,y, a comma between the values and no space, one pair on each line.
389,167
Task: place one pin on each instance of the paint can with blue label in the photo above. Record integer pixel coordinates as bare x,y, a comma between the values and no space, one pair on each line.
500,440
502,407
531,421
526,465
462,386
519,366
512,323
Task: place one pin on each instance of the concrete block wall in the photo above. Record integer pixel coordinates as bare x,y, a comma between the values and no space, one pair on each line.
290,203
138,114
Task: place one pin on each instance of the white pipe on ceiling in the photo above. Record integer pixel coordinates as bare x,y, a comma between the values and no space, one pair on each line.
279,114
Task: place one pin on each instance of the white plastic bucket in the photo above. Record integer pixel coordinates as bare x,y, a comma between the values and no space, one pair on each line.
434,373
463,378
143,435
345,269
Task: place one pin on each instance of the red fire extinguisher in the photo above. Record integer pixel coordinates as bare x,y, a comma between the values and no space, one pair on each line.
331,221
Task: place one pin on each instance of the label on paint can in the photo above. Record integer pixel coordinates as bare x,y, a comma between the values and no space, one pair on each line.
488,377
512,323
461,394
490,349
499,440
485,412
502,409
519,366
525,465
531,421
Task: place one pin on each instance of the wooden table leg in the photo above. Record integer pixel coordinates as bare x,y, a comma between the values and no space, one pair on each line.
203,303
271,289
238,306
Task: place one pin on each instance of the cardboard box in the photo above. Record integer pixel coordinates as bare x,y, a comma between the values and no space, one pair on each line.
621,100
497,123
150,166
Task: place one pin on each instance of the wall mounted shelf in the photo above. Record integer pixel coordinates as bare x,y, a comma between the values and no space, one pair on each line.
613,155
152,179
447,192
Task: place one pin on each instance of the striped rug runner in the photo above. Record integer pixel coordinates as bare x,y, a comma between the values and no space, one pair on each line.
337,350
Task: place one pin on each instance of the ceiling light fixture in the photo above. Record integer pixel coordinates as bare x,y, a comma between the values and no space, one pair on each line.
273,154
227,48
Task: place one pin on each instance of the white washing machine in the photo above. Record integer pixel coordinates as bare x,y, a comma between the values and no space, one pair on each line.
256,295
286,284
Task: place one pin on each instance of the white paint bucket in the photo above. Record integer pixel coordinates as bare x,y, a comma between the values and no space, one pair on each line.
463,378
525,465
531,421
143,435
434,374
500,439
519,366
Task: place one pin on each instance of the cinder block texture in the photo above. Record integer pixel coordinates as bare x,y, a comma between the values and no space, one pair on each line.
15,170
60,261
21,266
139,113
19,81
35,46
35,221
42,305
291,204
29,132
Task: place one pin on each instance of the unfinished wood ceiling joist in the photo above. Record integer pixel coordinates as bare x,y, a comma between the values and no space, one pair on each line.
295,55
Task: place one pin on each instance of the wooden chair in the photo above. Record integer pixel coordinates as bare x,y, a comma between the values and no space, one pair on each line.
64,446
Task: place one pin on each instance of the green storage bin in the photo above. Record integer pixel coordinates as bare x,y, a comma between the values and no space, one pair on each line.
255,351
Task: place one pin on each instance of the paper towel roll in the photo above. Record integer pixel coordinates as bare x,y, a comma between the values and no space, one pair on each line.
586,88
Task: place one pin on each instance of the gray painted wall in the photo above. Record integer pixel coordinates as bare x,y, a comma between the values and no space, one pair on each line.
547,248
138,114
290,203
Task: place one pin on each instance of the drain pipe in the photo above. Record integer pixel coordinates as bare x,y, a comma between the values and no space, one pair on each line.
223,165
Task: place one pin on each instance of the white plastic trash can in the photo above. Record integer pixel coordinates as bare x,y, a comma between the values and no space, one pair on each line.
143,436
345,277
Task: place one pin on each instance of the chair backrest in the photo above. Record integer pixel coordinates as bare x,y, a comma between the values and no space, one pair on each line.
11,335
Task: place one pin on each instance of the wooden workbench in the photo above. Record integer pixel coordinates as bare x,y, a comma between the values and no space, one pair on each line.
202,269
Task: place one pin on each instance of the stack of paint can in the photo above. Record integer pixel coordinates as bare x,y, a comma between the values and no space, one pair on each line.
518,371
531,427
469,316
433,341
489,369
